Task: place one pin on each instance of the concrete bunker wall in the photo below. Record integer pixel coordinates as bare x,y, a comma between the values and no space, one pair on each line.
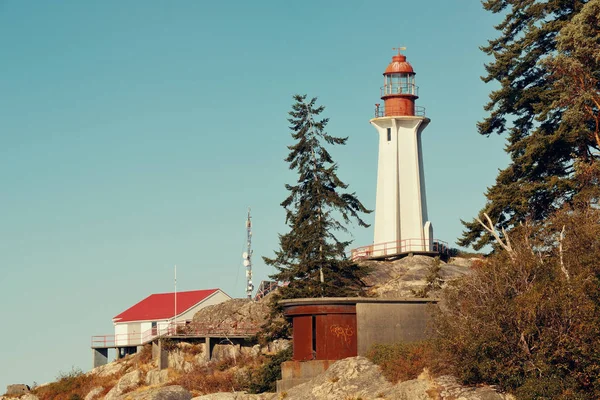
387,323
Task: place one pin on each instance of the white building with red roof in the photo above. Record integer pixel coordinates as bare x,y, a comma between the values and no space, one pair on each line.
157,313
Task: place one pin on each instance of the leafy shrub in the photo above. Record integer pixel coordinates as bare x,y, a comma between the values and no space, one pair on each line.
264,378
527,319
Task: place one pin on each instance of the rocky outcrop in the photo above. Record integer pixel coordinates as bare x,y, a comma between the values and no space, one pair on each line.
277,345
163,393
348,378
234,316
185,356
128,382
27,396
113,368
238,396
94,393
17,390
406,276
157,377
357,377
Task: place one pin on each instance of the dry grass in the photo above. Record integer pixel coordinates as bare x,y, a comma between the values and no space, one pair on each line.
144,356
405,361
203,380
226,375
218,376
75,385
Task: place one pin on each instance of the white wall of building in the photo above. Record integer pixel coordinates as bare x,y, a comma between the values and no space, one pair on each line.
121,338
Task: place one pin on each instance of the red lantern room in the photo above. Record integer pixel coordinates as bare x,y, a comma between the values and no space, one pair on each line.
399,91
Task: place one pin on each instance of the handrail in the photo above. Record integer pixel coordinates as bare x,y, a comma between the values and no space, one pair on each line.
380,111
399,88
397,247
181,328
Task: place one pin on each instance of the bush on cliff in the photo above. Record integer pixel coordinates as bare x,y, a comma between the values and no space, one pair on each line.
528,318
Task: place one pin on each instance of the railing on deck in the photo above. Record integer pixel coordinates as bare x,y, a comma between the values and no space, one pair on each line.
399,88
181,328
265,288
380,111
388,249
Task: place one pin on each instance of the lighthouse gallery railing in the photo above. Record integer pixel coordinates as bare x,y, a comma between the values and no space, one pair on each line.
388,249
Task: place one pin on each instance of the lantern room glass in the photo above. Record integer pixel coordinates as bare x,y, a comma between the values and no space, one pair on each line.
400,84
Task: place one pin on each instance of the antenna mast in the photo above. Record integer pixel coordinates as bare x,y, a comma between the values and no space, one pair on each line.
247,256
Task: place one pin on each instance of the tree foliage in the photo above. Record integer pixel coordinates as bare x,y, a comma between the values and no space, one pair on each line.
529,321
311,258
546,63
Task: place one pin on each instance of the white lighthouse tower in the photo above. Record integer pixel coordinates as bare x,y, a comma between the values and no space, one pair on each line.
401,222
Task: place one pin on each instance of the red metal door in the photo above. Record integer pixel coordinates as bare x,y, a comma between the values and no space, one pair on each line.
336,336
303,340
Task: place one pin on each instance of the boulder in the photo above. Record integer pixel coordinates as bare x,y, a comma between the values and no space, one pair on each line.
163,393
180,361
407,275
234,316
277,345
226,351
107,369
17,389
127,383
357,377
157,377
253,351
238,396
94,393
448,387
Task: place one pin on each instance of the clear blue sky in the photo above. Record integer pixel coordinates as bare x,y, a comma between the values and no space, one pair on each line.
134,135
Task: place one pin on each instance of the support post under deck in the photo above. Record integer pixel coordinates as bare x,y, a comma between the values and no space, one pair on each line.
100,356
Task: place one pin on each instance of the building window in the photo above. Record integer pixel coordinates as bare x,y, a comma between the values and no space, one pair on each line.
389,134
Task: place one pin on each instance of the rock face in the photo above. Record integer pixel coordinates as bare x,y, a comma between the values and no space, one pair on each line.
404,277
17,390
157,377
234,316
357,377
27,396
127,383
238,396
110,368
94,393
349,378
163,393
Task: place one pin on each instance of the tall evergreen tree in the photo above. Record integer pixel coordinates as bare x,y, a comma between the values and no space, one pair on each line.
549,151
311,257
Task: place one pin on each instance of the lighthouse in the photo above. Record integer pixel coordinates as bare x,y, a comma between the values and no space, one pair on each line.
401,221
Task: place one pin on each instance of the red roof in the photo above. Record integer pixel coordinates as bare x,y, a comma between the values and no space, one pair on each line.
161,306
